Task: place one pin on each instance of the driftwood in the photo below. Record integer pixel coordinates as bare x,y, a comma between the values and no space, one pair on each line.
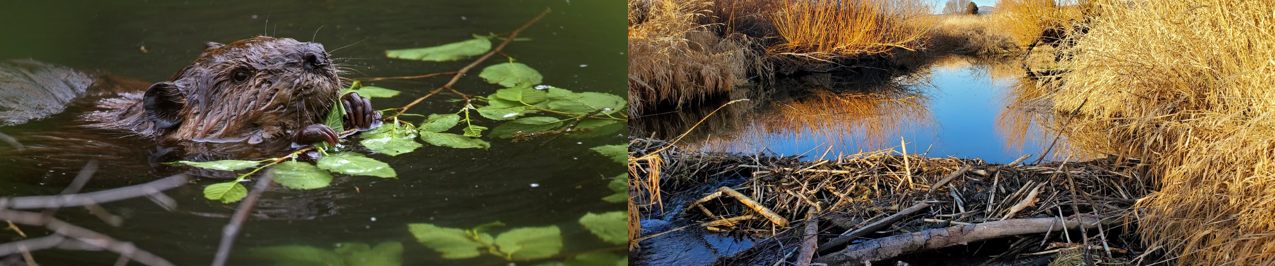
851,235
890,247
770,215
808,239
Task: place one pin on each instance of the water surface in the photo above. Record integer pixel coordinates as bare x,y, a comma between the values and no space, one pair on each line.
579,46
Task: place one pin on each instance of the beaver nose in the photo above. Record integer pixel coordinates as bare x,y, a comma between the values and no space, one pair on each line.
315,61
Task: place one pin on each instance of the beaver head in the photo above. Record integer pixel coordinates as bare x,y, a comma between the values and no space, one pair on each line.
254,89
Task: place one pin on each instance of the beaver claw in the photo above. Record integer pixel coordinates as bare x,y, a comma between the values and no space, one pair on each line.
359,112
316,133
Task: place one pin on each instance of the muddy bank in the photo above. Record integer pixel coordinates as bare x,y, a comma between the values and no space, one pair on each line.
754,209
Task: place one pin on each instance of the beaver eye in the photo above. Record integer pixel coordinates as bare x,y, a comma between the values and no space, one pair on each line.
240,75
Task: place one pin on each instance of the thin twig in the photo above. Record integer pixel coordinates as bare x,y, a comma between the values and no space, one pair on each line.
241,215
462,71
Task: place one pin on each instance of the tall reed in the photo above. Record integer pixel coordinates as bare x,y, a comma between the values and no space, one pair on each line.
673,58
825,29
1187,85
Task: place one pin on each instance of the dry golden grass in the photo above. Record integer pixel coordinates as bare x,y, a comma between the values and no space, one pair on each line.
673,58
826,29
974,35
1029,21
1187,85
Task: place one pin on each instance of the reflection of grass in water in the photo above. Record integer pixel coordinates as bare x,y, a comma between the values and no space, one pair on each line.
867,120
1028,117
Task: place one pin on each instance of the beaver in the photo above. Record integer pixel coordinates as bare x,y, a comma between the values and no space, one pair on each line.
249,99
249,91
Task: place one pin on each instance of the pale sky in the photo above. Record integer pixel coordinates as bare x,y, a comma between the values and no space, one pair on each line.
938,4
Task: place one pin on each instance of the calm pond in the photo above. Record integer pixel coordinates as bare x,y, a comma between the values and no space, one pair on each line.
543,182
959,106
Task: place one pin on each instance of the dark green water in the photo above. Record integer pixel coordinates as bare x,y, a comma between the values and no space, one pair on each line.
579,46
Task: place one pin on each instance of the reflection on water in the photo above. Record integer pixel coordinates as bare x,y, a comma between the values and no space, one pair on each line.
957,106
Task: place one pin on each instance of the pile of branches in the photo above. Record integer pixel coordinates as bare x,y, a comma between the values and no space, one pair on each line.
879,205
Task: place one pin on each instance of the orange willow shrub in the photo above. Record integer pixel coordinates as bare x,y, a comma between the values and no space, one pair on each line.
824,29
1030,20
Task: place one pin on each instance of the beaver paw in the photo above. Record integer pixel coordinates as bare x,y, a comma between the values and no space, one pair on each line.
359,112
316,133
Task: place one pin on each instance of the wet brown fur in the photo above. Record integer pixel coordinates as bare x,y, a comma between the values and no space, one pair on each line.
290,85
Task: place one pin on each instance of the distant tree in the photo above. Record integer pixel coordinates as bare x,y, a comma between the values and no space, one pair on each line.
971,9
955,6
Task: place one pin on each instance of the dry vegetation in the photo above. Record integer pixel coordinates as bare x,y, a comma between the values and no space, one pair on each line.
1032,21
1187,86
670,54
972,35
828,29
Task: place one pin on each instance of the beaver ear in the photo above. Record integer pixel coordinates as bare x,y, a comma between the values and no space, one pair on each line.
211,45
163,103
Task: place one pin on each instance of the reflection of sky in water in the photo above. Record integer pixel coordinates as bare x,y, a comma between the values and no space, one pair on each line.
964,106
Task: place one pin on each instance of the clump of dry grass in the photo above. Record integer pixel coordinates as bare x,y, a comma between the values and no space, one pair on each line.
1187,85
971,35
673,58
1032,21
826,29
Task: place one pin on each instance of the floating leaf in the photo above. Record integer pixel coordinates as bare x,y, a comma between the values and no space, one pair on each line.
390,139
504,113
223,165
526,125
334,119
612,227
525,95
375,92
298,175
474,131
440,122
587,102
530,242
453,243
226,192
446,52
453,140
619,184
298,255
352,163
618,153
597,259
359,254
597,127
511,75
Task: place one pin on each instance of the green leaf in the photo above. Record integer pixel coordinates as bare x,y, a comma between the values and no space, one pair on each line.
504,113
526,125
474,131
511,75
298,255
618,153
390,139
388,253
587,102
298,175
525,95
334,119
375,92
226,192
440,122
223,165
453,140
612,227
597,127
446,52
352,163
597,259
619,184
453,243
530,242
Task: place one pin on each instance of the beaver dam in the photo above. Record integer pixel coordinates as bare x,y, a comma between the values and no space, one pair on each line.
756,209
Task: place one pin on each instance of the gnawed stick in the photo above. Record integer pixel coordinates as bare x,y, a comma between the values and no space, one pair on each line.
851,235
1030,200
728,221
808,240
770,215
890,247
949,178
